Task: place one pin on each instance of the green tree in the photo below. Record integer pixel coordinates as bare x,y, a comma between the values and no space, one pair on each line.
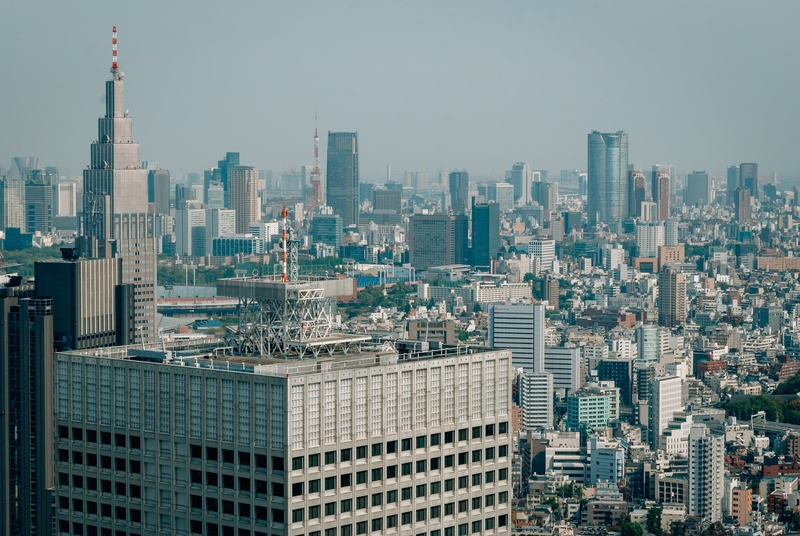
789,387
477,308
462,335
654,521
630,528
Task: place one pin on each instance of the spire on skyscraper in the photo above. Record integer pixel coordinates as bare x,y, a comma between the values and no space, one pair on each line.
114,66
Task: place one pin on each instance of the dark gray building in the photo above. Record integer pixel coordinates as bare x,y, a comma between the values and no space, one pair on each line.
327,229
459,192
698,189
432,240
26,387
384,199
38,203
485,233
158,190
770,316
93,308
342,181
748,178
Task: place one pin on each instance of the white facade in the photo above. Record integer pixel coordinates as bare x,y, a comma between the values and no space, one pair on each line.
649,236
219,222
536,397
190,231
521,328
65,200
675,438
545,251
565,366
606,461
377,446
706,473
665,402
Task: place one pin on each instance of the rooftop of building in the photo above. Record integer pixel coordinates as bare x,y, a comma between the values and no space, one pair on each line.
209,353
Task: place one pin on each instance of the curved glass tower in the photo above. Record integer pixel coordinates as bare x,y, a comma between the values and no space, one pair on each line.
607,177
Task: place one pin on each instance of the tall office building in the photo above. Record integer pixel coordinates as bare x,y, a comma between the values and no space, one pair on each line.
12,203
115,220
732,184
38,203
565,366
327,229
647,343
706,473
385,200
222,175
21,166
431,240
544,251
244,197
93,307
459,192
637,192
649,237
485,233
462,253
377,444
741,204
26,402
698,189
190,232
660,189
671,298
501,193
536,399
65,202
521,328
158,190
607,177
664,402
748,178
342,176
220,222
521,178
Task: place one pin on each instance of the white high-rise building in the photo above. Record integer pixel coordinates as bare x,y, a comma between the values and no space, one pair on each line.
219,222
545,251
521,328
521,178
613,256
649,235
706,473
647,343
671,232
665,402
536,398
190,232
565,366
606,461
65,199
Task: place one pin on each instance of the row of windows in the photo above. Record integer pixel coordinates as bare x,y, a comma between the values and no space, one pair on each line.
361,503
245,484
78,529
246,510
120,440
91,460
449,460
213,454
378,524
120,513
120,488
421,442
346,480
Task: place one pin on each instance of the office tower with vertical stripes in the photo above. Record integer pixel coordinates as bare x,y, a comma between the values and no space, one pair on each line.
608,177
342,176
115,220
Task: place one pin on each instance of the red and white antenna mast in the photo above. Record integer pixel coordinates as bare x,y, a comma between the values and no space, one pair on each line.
114,48
114,66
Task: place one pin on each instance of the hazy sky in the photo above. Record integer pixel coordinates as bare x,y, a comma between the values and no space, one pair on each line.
428,85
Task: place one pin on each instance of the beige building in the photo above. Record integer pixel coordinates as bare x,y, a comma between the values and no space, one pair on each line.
243,188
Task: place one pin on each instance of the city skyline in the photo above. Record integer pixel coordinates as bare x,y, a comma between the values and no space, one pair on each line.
424,125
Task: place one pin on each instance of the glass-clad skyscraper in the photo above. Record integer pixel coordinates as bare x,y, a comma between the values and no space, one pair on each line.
607,177
343,191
